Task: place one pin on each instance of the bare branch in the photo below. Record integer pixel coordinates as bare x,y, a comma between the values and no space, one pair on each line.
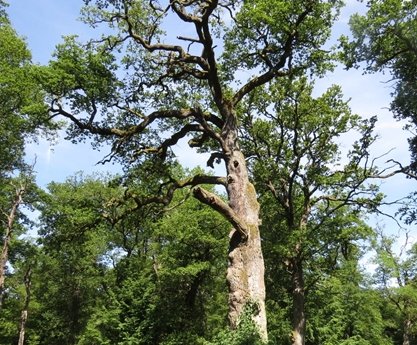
173,140
215,157
164,198
189,39
403,169
56,109
179,9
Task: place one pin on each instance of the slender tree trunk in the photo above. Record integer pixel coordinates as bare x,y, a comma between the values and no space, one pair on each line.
407,332
24,314
298,298
4,256
3,260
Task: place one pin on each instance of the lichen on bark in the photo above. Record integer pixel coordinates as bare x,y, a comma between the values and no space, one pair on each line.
245,274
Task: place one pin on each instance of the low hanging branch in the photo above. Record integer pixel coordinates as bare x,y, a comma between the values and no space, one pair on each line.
220,206
199,193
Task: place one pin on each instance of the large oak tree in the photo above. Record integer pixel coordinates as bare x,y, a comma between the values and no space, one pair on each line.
164,71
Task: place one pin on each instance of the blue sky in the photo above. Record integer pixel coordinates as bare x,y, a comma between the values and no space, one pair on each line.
44,22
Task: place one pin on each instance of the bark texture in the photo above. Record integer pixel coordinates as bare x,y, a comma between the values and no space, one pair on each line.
298,296
245,274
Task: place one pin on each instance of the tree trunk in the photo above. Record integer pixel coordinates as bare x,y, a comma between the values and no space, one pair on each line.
245,273
407,332
4,256
298,297
24,314
3,261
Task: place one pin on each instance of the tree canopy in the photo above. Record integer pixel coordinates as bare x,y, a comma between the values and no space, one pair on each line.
384,38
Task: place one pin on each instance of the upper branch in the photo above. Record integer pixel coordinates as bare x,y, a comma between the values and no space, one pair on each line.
256,82
179,7
179,61
128,131
274,70
171,141
407,170
182,58
204,34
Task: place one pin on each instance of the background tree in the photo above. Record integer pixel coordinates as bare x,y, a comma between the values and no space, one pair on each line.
125,274
18,309
23,115
74,237
311,198
166,88
396,277
23,112
344,307
170,288
18,198
21,191
385,38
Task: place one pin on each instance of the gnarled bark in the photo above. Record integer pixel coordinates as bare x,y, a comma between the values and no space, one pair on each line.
245,273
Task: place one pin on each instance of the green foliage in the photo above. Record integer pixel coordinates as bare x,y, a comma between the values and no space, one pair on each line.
245,334
396,277
22,110
301,135
298,169
275,22
111,268
74,241
191,249
279,305
24,257
118,274
385,38
79,68
344,310
111,84
312,199
23,115
143,90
